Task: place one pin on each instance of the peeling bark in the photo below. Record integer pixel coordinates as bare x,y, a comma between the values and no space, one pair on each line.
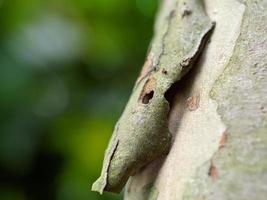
216,108
241,95
142,134
219,117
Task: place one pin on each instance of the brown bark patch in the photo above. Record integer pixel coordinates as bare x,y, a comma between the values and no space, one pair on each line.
192,103
213,172
222,141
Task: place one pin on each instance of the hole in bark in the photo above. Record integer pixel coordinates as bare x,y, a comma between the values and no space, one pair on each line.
148,91
164,71
147,97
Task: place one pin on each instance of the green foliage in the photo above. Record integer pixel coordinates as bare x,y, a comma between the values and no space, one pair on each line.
66,71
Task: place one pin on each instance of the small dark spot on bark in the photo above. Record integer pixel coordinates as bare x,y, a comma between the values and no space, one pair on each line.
155,69
213,172
164,71
186,12
147,97
263,109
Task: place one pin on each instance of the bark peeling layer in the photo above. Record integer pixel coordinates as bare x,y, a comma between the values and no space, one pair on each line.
142,135
194,121
241,94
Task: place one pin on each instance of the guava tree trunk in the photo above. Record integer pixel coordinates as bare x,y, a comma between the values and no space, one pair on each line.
219,114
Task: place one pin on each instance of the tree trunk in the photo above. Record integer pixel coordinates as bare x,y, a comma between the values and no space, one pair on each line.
219,115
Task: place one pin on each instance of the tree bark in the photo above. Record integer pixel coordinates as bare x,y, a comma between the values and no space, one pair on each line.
219,115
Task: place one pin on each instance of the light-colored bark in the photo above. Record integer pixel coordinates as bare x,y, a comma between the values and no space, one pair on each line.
219,118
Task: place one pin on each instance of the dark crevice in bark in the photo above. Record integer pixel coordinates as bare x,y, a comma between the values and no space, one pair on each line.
188,71
147,97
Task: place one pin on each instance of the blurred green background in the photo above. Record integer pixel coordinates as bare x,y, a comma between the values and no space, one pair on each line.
67,68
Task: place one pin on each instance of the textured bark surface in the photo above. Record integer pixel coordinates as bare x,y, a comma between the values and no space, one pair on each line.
142,135
219,117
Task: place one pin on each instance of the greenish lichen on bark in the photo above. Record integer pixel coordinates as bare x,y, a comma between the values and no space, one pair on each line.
240,93
141,134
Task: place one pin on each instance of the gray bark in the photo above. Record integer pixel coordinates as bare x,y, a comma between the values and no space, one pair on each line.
219,118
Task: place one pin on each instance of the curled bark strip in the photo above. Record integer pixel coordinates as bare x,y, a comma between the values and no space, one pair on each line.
143,133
